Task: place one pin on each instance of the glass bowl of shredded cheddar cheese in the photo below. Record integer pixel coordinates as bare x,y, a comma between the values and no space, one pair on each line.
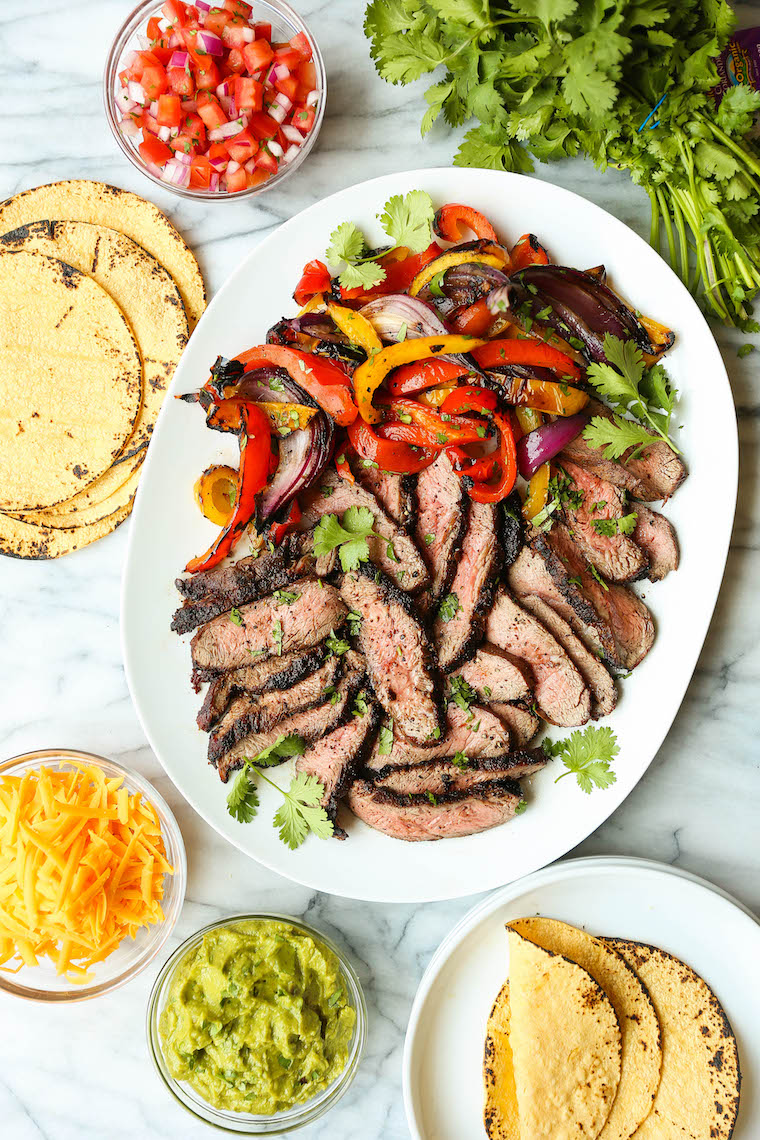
92,875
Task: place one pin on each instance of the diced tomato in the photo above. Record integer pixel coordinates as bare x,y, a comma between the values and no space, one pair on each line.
153,150
219,156
302,45
207,77
242,147
195,129
266,161
257,177
287,86
287,56
154,81
257,55
175,12
307,75
235,62
183,143
263,126
181,82
233,35
200,173
263,31
162,54
169,110
217,20
303,118
211,111
239,8
154,31
236,181
149,124
249,95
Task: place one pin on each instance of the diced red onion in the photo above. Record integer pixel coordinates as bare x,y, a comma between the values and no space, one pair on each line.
180,156
224,90
292,134
291,153
545,442
136,93
174,41
164,133
173,132
277,71
227,131
277,113
154,108
228,105
129,128
213,183
248,35
164,24
154,169
123,100
210,42
219,163
275,149
202,6
176,174
144,42
129,59
271,75
179,59
312,98
250,166
232,166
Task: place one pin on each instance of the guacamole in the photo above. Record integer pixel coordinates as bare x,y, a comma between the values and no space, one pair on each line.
257,1018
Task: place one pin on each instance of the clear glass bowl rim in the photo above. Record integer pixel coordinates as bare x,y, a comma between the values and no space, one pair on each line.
129,29
298,1117
175,847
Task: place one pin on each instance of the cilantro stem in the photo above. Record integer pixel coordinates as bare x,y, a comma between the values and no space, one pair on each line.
272,784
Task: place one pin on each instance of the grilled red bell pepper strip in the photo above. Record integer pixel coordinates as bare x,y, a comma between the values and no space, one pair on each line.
389,455
443,428
452,219
497,353
343,467
470,398
482,469
255,452
498,488
315,279
475,320
421,374
526,251
399,273
322,379
289,523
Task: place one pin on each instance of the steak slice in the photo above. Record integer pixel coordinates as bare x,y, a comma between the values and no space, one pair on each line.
587,501
247,715
273,673
512,527
335,758
476,733
393,551
473,586
309,725
626,615
523,724
654,474
600,683
399,659
267,628
495,676
440,776
560,691
394,493
657,538
452,815
442,511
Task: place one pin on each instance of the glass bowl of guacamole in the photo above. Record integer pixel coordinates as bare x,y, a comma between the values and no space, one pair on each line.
257,1024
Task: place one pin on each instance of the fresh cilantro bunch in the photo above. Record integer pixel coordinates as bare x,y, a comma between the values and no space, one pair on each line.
405,218
630,387
301,810
349,535
587,755
555,78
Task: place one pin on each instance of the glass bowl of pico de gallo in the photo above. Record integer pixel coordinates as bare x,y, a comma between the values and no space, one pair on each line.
215,100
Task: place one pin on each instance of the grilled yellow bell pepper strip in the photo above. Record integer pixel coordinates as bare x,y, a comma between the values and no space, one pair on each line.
359,331
369,376
315,304
528,419
543,395
455,257
538,492
287,418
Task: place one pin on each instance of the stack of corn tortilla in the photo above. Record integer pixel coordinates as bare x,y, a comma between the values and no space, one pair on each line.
98,294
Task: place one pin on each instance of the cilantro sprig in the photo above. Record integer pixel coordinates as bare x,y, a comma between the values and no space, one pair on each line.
406,219
301,811
587,755
625,524
348,535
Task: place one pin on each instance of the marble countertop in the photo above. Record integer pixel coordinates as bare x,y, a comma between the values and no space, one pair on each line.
83,1071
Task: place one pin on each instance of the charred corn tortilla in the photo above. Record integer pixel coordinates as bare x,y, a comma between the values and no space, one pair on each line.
500,1116
698,1095
641,1056
151,303
104,205
24,540
70,380
566,1045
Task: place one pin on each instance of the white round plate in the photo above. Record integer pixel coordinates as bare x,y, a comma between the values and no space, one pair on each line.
628,898
167,529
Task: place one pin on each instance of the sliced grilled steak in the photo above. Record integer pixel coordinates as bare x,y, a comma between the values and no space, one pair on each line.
247,715
600,683
393,551
560,691
512,528
629,619
267,628
540,572
441,776
335,758
495,676
455,814
273,673
480,735
394,493
523,724
309,725
399,659
473,587
657,538
654,474
589,502
442,511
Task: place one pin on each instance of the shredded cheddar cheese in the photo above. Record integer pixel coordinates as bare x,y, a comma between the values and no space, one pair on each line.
82,865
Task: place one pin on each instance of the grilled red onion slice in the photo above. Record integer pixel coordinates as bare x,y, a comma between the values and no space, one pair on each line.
397,313
546,441
304,454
